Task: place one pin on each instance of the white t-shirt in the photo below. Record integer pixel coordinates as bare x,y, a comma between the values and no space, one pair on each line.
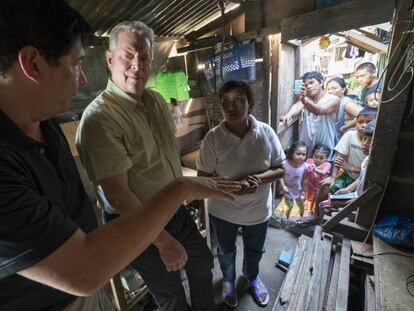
222,153
351,146
360,186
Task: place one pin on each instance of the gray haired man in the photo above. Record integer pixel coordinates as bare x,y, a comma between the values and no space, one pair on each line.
127,145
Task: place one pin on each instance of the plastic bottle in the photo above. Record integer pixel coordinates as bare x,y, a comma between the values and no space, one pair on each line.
176,113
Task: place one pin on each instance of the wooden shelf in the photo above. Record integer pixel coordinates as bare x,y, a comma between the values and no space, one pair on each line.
391,272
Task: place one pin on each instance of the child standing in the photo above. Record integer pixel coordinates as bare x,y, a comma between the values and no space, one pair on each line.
294,181
320,169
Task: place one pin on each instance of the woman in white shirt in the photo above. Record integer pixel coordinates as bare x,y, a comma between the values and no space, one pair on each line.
244,149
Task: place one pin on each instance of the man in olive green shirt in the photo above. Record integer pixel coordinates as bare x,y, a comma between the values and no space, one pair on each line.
127,145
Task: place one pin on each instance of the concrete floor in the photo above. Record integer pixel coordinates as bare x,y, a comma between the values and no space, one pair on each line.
277,240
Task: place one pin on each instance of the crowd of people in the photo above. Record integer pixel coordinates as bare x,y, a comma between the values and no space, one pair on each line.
53,256
328,156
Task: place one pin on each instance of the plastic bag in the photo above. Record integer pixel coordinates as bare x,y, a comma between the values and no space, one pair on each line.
395,230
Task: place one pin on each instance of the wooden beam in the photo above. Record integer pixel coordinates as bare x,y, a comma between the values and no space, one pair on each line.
365,43
355,14
208,43
349,208
390,115
349,230
215,24
343,279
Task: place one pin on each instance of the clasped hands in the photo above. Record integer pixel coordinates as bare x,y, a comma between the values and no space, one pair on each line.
249,184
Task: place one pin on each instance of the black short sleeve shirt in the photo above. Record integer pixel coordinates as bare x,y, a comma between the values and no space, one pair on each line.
42,204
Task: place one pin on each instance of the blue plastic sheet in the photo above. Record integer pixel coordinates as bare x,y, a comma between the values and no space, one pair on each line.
395,230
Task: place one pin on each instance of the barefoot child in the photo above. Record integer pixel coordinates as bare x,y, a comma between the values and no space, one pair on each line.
294,181
320,169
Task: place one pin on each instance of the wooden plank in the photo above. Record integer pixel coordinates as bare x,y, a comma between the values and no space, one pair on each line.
390,114
363,259
391,268
369,304
286,290
301,279
326,259
315,290
274,84
343,279
361,249
341,17
349,208
333,283
303,297
349,230
366,43
209,42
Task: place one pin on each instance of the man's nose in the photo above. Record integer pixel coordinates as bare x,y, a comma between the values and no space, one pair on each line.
82,78
135,62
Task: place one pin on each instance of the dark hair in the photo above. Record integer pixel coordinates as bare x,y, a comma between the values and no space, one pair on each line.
51,26
295,145
313,75
370,128
341,83
234,85
353,97
367,112
321,148
367,66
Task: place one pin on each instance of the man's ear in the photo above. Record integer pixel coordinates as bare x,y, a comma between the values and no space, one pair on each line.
30,61
108,56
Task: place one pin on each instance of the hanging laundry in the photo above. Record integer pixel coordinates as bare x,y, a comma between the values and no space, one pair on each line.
351,51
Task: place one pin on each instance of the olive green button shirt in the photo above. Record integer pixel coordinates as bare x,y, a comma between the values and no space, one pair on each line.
117,134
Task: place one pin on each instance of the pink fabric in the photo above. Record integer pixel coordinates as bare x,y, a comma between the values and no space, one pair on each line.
293,179
315,178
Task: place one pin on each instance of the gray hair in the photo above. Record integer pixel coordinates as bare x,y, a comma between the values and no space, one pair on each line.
132,26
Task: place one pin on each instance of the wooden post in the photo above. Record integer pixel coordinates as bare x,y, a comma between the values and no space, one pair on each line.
391,112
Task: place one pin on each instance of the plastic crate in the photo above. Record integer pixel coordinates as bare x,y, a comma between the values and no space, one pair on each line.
172,85
239,63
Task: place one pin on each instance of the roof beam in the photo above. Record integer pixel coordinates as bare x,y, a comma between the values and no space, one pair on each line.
215,24
349,15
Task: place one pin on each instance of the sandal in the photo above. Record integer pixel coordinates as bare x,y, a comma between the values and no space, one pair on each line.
229,294
307,222
259,289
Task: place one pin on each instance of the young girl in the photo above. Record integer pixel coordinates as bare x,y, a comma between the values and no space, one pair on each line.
245,149
320,169
294,181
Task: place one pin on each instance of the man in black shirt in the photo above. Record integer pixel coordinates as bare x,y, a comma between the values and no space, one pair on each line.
50,248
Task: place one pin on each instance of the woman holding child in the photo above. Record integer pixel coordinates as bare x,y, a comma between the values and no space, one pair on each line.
245,149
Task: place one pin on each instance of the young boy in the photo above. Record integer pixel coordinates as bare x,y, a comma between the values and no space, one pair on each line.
347,164
357,186
365,74
349,152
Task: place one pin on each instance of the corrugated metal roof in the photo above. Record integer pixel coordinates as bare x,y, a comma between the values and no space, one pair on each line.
168,18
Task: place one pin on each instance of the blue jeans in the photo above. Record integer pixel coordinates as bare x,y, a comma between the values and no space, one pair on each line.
254,237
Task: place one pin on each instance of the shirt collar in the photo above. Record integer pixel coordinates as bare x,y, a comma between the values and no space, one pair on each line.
253,126
12,136
123,97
